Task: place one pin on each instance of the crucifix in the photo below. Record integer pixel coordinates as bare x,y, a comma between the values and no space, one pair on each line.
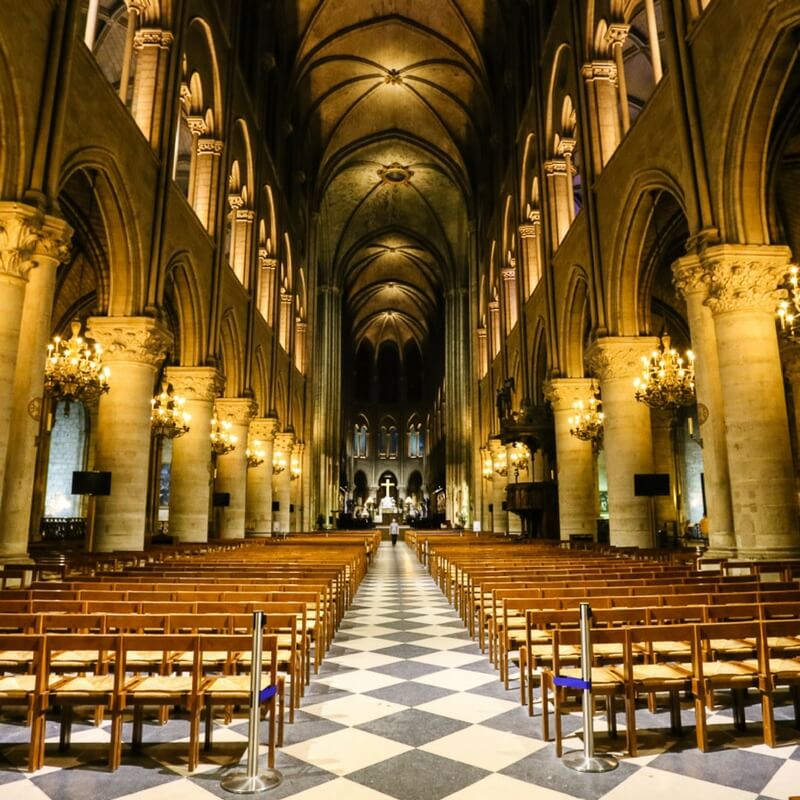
388,484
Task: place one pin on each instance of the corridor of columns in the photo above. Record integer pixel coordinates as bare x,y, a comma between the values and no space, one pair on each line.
405,707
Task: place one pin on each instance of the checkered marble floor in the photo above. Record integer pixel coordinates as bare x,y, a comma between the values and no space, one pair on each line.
406,708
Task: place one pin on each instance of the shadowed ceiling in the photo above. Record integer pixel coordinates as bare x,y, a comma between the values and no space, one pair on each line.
391,99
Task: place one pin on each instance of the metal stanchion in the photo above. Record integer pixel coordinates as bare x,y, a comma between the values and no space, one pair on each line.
252,781
587,761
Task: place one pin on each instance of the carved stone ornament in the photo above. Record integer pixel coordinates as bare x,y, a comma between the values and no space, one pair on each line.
619,357
29,238
35,408
137,339
529,231
152,37
284,441
238,410
196,383
689,275
263,428
561,393
600,71
210,147
555,166
742,277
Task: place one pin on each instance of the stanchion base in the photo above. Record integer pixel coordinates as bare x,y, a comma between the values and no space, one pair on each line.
242,783
578,761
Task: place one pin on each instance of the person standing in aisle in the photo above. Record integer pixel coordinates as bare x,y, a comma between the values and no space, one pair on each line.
394,530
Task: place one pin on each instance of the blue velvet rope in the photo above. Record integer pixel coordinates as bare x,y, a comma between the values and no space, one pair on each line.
267,694
572,683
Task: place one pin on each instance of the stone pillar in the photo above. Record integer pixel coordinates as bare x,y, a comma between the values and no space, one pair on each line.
688,276
510,294
135,9
560,200
197,127
258,515
601,90
577,491
133,348
232,467
790,357
499,482
742,296
209,152
32,240
530,237
266,293
152,56
617,34
241,238
296,487
628,438
190,482
652,35
282,482
665,459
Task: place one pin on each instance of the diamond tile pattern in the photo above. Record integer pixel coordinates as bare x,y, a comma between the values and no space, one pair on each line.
405,708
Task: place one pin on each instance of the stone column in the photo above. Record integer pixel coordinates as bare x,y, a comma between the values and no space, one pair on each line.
577,491
133,348
282,482
530,236
135,9
296,487
209,152
601,89
509,276
266,293
665,460
190,482
652,35
742,296
232,467
499,483
688,275
258,513
628,438
790,358
617,34
152,56
561,201
40,242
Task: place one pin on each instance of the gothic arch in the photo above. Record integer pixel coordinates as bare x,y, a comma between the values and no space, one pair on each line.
575,317
231,353
261,380
181,285
12,143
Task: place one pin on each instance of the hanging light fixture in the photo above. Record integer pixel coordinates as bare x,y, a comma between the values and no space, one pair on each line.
587,422
278,463
488,468
518,458
789,310
295,468
667,380
255,454
500,463
222,441
167,417
74,371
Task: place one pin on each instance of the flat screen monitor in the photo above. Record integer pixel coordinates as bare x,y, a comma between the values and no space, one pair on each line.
91,482
655,484
222,499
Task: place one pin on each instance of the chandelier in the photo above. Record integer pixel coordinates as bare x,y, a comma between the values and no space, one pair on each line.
222,441
278,463
667,380
488,468
500,463
518,458
255,454
789,310
295,468
167,417
587,422
73,371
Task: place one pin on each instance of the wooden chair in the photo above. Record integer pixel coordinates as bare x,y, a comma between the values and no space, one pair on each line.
231,686
776,671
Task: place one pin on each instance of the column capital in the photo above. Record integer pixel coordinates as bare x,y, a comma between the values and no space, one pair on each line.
284,441
210,147
263,428
599,71
130,339
238,410
196,125
530,231
745,277
615,357
617,33
152,37
555,166
566,147
562,393
689,276
196,383
510,274
29,238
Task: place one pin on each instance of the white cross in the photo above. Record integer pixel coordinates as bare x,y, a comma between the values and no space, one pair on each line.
388,484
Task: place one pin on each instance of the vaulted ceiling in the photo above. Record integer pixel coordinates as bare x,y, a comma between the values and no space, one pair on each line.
391,104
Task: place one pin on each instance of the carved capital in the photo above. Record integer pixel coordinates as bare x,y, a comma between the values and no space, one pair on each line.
284,441
563,392
745,277
210,147
29,239
510,274
566,147
267,262
617,33
196,383
140,340
237,410
529,231
689,276
599,71
197,125
555,166
481,333
619,357
245,216
152,37
263,428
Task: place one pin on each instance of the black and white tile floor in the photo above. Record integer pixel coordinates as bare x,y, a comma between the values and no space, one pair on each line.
404,708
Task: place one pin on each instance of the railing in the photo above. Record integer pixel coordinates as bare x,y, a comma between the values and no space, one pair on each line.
62,529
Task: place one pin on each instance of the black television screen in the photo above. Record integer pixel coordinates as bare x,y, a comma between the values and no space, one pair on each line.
94,482
655,484
222,499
